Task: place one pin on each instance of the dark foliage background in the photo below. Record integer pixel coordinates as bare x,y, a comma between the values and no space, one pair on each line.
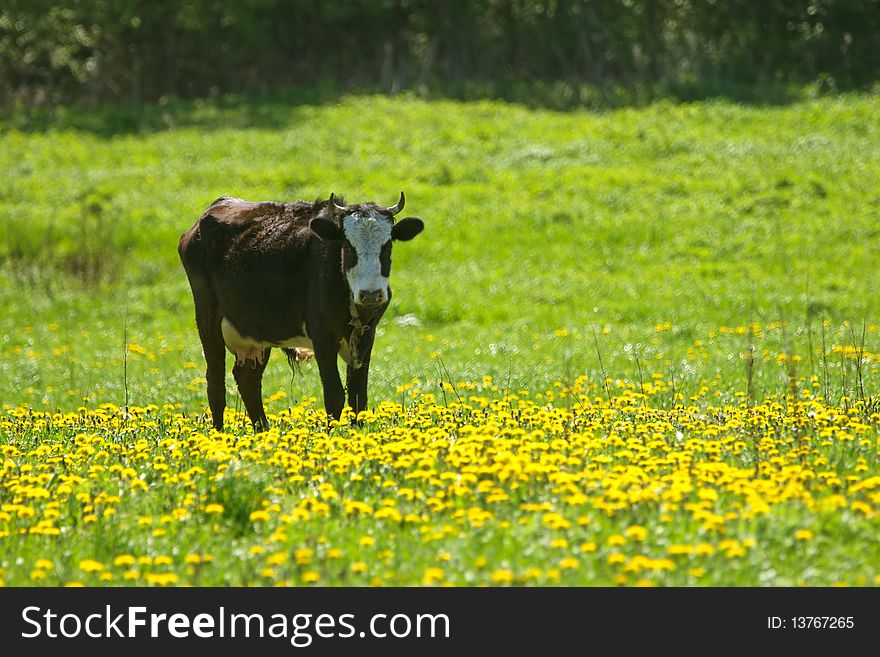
88,51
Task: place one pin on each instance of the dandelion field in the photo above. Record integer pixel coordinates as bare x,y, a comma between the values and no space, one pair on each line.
616,491
632,348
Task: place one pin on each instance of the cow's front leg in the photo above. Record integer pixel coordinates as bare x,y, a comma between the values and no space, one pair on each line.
334,394
356,378
249,377
357,387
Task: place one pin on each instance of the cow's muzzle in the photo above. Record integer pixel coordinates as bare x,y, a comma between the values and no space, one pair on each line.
371,297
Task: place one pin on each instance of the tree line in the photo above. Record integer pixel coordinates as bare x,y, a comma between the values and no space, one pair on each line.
89,51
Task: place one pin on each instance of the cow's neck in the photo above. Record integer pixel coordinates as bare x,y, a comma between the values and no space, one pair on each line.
359,327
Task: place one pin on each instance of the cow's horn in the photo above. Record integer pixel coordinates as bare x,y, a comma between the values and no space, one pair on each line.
394,209
336,206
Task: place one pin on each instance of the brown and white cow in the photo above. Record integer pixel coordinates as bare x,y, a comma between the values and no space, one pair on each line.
298,276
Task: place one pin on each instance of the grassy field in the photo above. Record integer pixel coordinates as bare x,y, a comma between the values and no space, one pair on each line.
638,346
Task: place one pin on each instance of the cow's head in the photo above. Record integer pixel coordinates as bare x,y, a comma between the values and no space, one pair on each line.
366,231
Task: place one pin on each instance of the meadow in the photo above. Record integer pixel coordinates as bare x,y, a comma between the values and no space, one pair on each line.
635,346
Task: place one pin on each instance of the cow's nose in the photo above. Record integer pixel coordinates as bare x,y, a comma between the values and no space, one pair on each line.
372,297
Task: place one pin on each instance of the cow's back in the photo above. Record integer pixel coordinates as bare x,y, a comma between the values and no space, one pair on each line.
232,231
226,220
231,211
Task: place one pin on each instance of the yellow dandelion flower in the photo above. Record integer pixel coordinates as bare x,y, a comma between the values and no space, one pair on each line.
91,566
636,532
502,576
433,575
161,579
277,558
303,556
532,573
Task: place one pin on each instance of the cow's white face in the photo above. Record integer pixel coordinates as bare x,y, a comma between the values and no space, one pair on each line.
367,240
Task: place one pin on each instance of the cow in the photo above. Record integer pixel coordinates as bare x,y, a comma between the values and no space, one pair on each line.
308,278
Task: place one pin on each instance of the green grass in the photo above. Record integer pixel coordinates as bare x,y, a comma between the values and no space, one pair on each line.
702,215
636,243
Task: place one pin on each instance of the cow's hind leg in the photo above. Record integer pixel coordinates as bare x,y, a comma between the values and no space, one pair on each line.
208,323
215,375
249,376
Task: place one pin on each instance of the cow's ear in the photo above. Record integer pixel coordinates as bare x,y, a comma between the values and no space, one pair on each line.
326,229
407,228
